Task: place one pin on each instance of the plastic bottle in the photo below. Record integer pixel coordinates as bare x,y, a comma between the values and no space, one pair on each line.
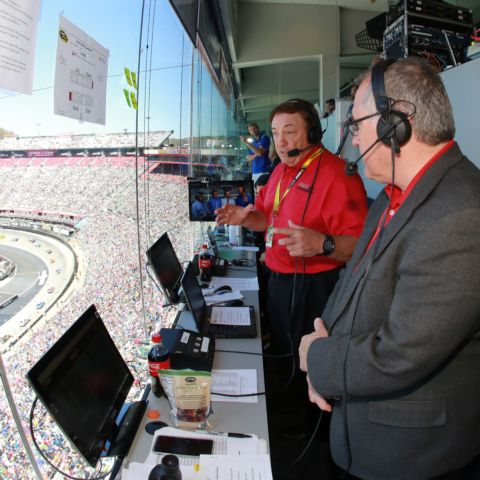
158,359
205,264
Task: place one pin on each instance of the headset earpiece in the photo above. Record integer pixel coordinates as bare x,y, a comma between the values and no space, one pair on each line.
392,124
314,135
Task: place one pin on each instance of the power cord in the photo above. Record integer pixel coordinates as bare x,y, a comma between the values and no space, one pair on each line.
32,433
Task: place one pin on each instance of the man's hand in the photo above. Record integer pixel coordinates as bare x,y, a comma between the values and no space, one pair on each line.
319,332
301,241
232,214
318,399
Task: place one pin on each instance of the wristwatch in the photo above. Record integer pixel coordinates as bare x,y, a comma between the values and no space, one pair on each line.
328,245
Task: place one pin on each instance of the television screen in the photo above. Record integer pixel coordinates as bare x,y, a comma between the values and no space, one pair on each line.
83,382
166,267
204,197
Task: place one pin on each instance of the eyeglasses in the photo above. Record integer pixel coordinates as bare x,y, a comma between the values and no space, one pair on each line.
353,124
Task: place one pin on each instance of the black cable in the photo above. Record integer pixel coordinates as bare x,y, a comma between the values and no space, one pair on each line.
32,433
254,394
305,450
268,355
356,301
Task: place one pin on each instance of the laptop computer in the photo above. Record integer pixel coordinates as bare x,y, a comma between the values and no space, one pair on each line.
220,322
166,267
219,265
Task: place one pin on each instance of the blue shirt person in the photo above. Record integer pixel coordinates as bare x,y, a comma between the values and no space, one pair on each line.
258,146
214,202
243,198
199,208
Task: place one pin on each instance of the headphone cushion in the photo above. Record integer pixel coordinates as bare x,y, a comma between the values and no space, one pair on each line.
401,131
315,135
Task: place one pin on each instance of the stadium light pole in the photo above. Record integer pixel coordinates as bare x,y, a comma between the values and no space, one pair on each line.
18,421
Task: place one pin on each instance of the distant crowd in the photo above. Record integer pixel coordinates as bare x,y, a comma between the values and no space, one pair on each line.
109,278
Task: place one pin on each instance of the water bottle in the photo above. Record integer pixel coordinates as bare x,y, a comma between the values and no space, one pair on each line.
158,359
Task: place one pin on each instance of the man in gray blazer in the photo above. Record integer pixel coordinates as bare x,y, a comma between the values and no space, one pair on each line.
396,356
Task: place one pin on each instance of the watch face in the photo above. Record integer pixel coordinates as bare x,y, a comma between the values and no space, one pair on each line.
328,245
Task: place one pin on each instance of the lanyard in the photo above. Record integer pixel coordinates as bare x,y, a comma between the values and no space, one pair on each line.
277,201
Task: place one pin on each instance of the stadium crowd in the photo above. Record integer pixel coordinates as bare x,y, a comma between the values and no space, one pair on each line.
109,278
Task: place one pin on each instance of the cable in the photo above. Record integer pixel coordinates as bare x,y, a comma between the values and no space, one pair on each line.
32,433
263,354
356,301
255,394
297,460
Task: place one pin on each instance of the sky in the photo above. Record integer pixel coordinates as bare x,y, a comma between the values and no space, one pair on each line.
115,24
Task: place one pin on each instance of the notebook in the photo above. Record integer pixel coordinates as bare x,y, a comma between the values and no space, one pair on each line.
220,322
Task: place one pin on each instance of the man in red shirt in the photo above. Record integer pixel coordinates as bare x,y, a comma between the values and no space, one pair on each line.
312,214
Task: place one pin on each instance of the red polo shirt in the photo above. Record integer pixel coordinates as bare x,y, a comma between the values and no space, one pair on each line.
398,197
337,206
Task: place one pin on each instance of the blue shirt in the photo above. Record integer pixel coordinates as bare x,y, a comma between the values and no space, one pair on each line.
214,203
199,210
240,200
261,164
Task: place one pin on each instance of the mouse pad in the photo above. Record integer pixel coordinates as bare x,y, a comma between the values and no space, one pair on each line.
152,427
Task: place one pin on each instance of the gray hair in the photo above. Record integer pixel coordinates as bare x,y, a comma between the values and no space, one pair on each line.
413,80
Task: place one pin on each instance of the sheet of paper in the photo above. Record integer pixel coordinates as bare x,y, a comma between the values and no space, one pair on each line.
80,75
234,382
246,249
18,38
223,297
230,316
235,283
233,467
222,445
140,471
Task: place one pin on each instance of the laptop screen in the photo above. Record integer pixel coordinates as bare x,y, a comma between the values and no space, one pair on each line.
213,242
83,381
194,296
166,266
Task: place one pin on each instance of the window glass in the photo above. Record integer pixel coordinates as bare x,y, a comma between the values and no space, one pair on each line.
79,209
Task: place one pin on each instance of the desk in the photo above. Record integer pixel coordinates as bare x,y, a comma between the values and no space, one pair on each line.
226,416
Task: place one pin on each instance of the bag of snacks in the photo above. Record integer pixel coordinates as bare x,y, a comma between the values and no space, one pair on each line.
188,392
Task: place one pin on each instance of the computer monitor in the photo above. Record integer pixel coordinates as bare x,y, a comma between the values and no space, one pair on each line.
202,200
166,267
83,382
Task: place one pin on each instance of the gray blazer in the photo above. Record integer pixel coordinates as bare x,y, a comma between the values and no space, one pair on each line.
412,370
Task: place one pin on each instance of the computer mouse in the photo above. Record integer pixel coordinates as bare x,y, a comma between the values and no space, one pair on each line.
204,285
223,288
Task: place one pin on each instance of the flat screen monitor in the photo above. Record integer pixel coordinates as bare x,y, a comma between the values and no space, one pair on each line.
166,267
205,196
83,382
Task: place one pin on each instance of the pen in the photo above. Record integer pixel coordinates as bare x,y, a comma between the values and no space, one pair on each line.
227,434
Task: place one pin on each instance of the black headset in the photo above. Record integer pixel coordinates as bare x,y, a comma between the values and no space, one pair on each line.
392,124
315,133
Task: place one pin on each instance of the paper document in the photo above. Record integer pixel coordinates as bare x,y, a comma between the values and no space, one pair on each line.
232,467
246,249
222,297
141,471
230,316
234,382
222,445
235,283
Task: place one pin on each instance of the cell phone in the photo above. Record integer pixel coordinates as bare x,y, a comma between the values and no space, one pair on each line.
183,445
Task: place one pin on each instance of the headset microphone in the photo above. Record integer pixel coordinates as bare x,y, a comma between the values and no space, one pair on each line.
352,167
295,152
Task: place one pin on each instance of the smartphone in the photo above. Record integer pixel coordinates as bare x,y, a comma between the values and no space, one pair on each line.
183,445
